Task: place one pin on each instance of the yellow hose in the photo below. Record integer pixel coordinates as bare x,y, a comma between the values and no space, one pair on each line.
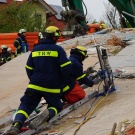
90,114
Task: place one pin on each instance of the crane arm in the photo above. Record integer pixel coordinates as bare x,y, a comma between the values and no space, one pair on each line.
74,17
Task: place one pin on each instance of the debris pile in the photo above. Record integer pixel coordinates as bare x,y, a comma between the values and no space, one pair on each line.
114,40
125,127
90,42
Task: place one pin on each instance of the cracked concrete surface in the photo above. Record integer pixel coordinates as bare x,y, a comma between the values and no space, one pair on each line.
117,107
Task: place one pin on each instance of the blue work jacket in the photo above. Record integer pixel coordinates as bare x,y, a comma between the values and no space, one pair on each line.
77,70
49,69
24,45
21,45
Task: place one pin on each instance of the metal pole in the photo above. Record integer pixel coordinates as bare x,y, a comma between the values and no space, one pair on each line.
128,14
99,54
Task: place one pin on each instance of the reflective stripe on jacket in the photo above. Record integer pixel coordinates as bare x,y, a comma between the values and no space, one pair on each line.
77,70
48,90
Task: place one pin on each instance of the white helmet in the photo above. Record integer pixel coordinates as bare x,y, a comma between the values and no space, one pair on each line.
4,47
22,31
9,49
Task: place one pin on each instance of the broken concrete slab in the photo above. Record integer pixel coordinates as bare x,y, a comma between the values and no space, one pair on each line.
116,107
124,59
13,80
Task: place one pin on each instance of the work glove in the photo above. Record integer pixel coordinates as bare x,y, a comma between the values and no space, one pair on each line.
97,80
89,70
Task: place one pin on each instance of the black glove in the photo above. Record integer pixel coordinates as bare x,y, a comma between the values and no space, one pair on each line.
97,80
89,70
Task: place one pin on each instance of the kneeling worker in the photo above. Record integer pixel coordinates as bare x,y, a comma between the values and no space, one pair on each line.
77,56
49,71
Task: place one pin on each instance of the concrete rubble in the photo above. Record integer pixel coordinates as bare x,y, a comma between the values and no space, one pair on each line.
116,112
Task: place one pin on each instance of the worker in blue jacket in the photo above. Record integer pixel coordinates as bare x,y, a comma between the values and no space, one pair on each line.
49,71
20,42
77,56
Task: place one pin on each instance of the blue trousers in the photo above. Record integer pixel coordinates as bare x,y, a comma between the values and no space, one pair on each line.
30,101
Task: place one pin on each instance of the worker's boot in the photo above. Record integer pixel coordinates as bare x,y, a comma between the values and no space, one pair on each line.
14,130
41,118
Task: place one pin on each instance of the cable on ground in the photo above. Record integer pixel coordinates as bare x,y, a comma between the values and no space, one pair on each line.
90,113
